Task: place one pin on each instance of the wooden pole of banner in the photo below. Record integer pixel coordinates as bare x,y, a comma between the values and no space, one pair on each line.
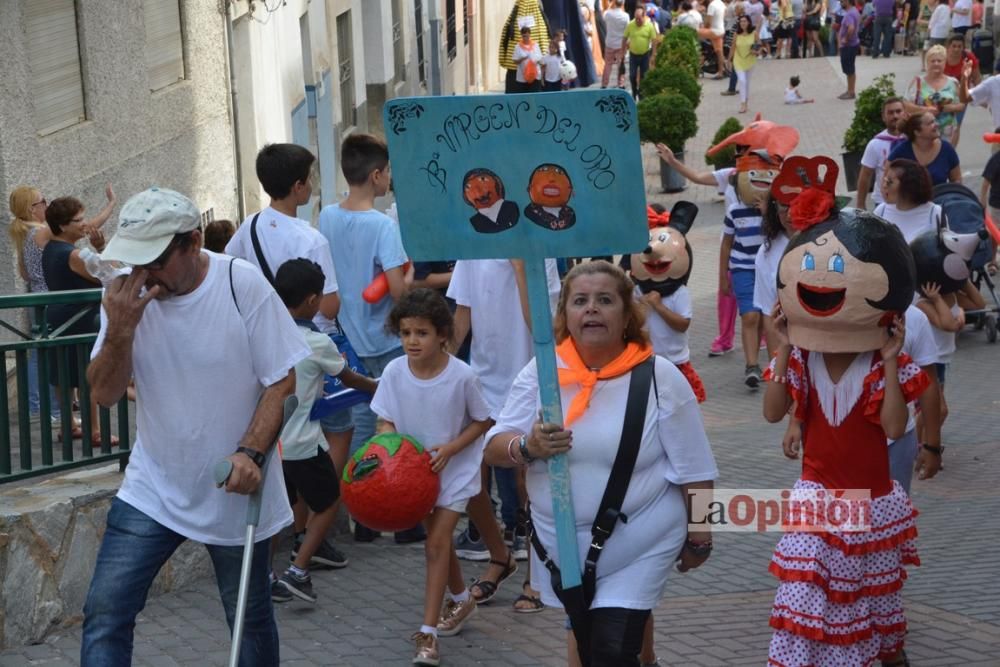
548,387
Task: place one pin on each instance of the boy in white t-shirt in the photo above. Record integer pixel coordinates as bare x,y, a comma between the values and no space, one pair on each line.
308,469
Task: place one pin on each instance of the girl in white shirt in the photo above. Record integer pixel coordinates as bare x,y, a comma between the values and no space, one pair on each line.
527,52
436,399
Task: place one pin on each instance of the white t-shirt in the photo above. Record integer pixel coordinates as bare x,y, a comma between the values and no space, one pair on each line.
920,345
691,19
501,341
961,20
636,560
945,340
199,367
765,287
717,13
434,412
875,156
912,223
940,23
987,94
550,68
668,342
283,238
615,22
534,53
301,436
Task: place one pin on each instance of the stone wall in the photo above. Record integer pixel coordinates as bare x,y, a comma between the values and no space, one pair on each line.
50,533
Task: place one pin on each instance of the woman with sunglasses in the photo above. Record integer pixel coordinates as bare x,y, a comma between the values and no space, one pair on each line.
64,268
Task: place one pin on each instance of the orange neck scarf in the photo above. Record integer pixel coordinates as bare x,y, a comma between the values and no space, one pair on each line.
578,373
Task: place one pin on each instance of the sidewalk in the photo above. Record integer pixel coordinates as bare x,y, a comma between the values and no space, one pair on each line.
716,615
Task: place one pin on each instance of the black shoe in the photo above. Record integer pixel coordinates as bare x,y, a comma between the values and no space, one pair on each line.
300,587
365,534
326,556
752,376
279,593
411,535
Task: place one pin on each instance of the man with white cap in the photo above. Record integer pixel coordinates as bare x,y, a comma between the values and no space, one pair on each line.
211,349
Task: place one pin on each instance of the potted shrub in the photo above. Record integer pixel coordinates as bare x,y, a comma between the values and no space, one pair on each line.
866,123
727,156
679,49
659,79
668,118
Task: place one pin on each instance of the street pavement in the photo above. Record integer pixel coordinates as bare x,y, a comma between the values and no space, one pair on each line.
718,614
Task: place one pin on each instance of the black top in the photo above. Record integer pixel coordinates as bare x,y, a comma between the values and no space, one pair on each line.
991,173
60,277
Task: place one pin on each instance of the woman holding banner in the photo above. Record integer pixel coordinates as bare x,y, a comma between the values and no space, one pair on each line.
613,388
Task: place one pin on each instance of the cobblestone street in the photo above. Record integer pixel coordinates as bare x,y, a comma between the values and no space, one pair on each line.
718,614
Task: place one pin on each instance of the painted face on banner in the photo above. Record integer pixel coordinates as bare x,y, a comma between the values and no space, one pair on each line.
550,186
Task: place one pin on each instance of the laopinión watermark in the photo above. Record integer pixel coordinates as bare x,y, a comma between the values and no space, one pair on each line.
786,510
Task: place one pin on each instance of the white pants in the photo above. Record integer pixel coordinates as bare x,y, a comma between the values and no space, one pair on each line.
743,85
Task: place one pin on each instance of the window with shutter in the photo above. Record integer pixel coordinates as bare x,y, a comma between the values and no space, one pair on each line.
164,45
345,51
54,61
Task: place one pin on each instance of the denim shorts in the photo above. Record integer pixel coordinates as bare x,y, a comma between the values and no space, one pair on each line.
742,281
338,422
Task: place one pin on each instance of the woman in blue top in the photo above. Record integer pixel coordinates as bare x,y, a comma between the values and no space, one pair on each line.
925,147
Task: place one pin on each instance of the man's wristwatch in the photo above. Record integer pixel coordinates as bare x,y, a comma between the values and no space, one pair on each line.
254,455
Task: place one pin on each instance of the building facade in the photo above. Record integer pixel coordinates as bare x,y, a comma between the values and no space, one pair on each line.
183,93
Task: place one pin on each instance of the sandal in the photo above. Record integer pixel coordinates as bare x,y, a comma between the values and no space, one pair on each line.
95,438
488,589
535,603
77,433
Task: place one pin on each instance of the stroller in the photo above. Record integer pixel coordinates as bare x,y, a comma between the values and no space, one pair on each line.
963,214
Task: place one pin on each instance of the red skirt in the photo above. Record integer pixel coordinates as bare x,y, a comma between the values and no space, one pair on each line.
692,377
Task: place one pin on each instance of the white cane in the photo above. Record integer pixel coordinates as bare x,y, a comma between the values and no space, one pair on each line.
221,472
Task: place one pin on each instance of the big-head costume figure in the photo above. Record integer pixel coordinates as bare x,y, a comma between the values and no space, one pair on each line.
526,13
760,149
662,270
841,281
846,273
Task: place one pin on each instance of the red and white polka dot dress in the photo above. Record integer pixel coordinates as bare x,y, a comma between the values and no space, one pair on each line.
839,603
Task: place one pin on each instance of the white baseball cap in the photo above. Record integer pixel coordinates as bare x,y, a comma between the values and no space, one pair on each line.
147,224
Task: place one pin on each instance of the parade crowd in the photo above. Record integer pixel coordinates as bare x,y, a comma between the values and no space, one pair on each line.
220,323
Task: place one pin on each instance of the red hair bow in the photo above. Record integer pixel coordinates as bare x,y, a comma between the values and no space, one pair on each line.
654,219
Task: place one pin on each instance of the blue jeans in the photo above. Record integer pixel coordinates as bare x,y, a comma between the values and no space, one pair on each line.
637,68
361,414
882,34
133,550
902,455
507,490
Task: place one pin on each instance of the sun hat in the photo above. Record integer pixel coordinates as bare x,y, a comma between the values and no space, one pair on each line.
147,224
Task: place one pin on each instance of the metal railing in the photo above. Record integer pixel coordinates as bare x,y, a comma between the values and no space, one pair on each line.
21,455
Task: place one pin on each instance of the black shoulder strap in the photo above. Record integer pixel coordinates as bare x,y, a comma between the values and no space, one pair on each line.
232,288
609,512
264,268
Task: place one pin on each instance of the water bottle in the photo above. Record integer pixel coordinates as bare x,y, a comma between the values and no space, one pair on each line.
102,270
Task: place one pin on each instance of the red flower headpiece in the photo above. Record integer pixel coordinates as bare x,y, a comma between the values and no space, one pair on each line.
654,219
799,186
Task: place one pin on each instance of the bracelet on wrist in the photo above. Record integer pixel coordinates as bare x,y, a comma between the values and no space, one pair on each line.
698,548
523,449
510,450
933,449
